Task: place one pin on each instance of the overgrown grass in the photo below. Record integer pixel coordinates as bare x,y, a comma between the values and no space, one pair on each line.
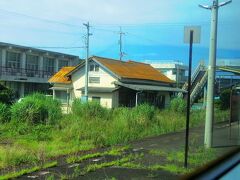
198,156
115,151
27,171
118,162
87,127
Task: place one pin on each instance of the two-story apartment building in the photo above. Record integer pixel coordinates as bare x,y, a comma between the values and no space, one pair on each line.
175,71
26,69
114,83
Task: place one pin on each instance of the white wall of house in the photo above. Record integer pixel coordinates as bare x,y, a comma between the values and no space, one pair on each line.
105,80
105,98
171,70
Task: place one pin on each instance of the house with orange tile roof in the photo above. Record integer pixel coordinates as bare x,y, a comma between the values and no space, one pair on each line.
114,83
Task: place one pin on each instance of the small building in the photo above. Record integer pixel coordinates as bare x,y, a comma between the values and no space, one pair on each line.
26,69
114,83
175,71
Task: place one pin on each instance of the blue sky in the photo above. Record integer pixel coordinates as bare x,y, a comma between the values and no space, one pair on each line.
154,28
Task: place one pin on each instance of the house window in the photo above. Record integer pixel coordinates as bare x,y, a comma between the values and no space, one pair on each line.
62,63
48,64
13,59
96,99
94,67
62,96
32,62
91,67
94,80
174,71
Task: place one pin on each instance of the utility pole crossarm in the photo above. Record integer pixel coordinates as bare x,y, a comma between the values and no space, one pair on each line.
215,5
205,6
224,3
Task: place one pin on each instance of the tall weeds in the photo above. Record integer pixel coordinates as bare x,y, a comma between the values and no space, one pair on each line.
38,130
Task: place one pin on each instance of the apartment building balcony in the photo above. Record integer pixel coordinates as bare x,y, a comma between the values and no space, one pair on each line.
24,75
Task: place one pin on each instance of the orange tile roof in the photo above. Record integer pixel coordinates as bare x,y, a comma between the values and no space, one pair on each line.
133,70
59,77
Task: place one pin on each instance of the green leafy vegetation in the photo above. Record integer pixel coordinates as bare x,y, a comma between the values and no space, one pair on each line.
225,99
36,109
4,113
6,95
27,171
118,162
178,105
36,131
115,151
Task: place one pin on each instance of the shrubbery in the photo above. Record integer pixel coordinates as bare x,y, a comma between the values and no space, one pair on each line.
36,109
4,113
6,95
89,110
178,105
87,127
225,99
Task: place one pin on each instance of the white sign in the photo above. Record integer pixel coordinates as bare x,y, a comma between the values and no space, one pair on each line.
196,34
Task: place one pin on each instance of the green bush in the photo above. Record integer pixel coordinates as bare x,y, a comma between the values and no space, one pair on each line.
6,95
178,105
36,109
225,99
4,113
129,123
89,110
142,114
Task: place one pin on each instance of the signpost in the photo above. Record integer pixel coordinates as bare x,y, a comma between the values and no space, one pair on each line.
191,35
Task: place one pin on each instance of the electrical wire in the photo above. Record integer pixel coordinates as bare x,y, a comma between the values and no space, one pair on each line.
58,47
41,19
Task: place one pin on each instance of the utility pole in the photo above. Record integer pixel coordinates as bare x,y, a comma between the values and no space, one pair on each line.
85,99
211,71
177,78
121,54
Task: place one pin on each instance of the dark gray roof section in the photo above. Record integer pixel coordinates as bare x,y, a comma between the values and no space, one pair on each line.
99,89
143,87
26,48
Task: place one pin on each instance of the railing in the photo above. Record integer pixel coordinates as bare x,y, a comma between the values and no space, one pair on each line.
199,86
12,71
199,68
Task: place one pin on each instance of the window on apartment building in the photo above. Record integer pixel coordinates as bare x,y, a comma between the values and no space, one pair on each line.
48,64
94,80
32,62
94,67
13,59
96,99
62,63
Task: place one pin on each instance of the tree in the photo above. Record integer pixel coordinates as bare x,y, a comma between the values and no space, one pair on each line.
6,95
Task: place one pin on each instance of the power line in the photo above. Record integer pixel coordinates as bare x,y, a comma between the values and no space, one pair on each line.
41,19
113,25
58,47
110,47
107,30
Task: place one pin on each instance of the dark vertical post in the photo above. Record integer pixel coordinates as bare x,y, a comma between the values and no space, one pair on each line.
230,119
188,99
